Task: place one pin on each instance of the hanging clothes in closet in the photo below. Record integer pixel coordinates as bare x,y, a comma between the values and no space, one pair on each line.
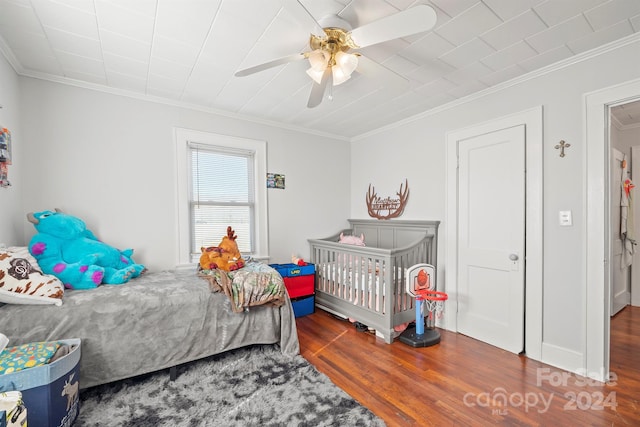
627,231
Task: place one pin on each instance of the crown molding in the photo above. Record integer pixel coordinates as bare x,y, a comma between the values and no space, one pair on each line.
186,105
11,58
584,56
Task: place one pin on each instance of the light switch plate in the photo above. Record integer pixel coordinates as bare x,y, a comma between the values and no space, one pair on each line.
566,219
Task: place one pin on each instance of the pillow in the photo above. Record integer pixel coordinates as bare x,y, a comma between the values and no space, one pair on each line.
21,282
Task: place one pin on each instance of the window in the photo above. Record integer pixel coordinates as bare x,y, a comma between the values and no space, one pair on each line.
216,203
221,183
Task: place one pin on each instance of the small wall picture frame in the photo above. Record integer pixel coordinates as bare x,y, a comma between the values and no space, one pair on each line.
5,146
275,180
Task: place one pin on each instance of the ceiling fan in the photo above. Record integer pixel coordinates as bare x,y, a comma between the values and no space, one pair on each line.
332,39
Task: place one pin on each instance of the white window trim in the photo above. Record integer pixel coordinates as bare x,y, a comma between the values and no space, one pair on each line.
182,138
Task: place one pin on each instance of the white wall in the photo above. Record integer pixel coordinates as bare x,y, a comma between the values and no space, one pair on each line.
11,217
416,150
109,160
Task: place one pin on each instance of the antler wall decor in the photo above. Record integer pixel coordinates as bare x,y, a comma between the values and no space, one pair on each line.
393,207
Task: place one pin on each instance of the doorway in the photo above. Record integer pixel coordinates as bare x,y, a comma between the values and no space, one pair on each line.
624,140
532,122
597,271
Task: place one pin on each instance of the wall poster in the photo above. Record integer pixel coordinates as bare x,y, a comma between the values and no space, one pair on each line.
5,156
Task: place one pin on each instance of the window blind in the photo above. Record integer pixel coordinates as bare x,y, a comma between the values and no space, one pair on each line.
222,195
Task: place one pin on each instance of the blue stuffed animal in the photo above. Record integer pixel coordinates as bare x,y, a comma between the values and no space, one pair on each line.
65,248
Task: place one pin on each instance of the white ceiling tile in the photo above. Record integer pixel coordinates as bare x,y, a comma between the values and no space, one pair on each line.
163,88
599,38
169,69
174,50
80,64
320,9
560,34
472,72
279,89
512,55
189,25
507,9
66,18
144,7
427,48
431,71
16,17
467,89
467,53
547,58
123,21
361,12
127,66
635,21
469,24
228,22
382,51
86,77
37,43
127,82
612,12
157,83
123,46
515,29
189,50
402,4
441,16
453,8
47,64
437,100
83,5
554,12
281,38
73,43
503,75
436,87
400,65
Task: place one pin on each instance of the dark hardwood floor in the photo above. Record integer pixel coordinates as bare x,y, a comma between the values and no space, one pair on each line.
464,382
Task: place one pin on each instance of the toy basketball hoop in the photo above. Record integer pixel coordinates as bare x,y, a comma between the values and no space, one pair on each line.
420,284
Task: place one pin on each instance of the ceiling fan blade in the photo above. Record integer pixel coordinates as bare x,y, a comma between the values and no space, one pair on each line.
270,64
388,77
303,16
317,90
411,21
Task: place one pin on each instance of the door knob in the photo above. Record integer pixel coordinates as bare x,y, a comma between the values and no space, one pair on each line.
513,257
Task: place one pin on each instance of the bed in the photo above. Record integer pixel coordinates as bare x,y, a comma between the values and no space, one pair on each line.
366,283
156,321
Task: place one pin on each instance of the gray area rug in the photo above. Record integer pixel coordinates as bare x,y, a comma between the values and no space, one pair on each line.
255,386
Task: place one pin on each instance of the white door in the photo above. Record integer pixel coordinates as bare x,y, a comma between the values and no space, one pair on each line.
620,282
491,237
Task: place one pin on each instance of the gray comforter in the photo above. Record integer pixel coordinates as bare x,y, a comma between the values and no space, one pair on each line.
155,321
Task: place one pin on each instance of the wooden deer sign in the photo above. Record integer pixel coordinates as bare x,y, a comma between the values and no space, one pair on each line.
393,207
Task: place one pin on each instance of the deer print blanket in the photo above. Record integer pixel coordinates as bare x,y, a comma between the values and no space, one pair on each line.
253,285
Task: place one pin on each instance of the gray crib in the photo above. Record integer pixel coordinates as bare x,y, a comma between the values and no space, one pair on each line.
367,284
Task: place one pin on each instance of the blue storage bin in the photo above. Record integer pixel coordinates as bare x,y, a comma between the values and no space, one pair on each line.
293,270
303,306
50,392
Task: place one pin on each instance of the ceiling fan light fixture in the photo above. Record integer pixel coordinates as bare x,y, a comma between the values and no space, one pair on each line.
339,76
345,65
316,75
319,60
